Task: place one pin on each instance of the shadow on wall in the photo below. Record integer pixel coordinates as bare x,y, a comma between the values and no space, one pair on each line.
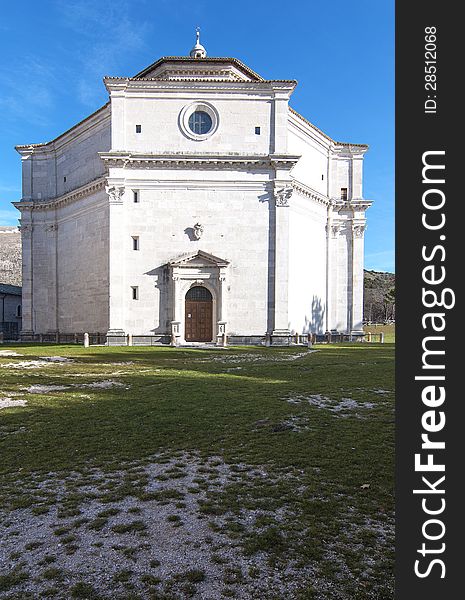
315,324
161,283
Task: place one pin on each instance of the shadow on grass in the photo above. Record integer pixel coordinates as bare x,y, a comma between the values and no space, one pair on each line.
201,407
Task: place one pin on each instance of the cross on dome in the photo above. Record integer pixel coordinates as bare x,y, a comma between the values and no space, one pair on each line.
198,51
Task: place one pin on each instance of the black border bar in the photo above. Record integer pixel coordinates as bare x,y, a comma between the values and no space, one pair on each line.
432,517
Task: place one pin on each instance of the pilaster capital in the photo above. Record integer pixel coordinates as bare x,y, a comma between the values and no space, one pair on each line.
115,193
283,195
26,230
358,229
334,229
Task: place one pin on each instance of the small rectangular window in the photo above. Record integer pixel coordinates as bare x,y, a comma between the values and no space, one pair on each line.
135,292
257,130
138,128
135,242
343,193
135,196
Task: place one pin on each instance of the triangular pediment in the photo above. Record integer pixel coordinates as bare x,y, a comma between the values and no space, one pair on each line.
182,67
198,259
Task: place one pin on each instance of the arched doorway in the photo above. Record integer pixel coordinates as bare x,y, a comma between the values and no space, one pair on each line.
199,315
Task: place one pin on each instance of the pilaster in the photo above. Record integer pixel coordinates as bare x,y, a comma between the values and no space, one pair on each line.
118,121
26,164
358,232
116,231
222,296
281,196
357,166
334,230
51,232
27,322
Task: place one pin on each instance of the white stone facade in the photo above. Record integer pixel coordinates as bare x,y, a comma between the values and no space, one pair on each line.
128,210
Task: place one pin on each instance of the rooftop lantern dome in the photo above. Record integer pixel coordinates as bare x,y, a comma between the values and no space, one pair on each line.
198,51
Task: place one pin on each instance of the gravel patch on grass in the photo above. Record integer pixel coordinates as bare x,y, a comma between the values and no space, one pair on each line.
295,423
10,403
9,353
44,389
342,408
145,528
26,364
107,384
256,358
349,404
353,539
42,361
314,399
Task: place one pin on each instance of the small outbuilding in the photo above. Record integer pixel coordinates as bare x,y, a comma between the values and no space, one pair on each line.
10,311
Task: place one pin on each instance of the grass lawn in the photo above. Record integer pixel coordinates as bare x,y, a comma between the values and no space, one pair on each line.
175,473
388,330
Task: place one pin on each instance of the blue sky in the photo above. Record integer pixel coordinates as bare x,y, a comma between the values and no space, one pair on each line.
55,53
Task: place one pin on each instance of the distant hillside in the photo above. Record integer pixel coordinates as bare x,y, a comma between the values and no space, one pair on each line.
379,300
10,255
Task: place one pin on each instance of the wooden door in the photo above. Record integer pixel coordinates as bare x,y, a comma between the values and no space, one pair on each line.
199,315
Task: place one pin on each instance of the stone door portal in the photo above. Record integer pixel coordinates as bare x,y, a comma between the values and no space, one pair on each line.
199,315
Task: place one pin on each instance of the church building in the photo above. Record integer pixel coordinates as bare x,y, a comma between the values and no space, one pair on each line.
195,203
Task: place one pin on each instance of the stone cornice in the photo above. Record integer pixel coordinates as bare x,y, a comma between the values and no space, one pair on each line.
284,161
348,150
81,192
359,204
121,84
204,160
308,192
23,205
